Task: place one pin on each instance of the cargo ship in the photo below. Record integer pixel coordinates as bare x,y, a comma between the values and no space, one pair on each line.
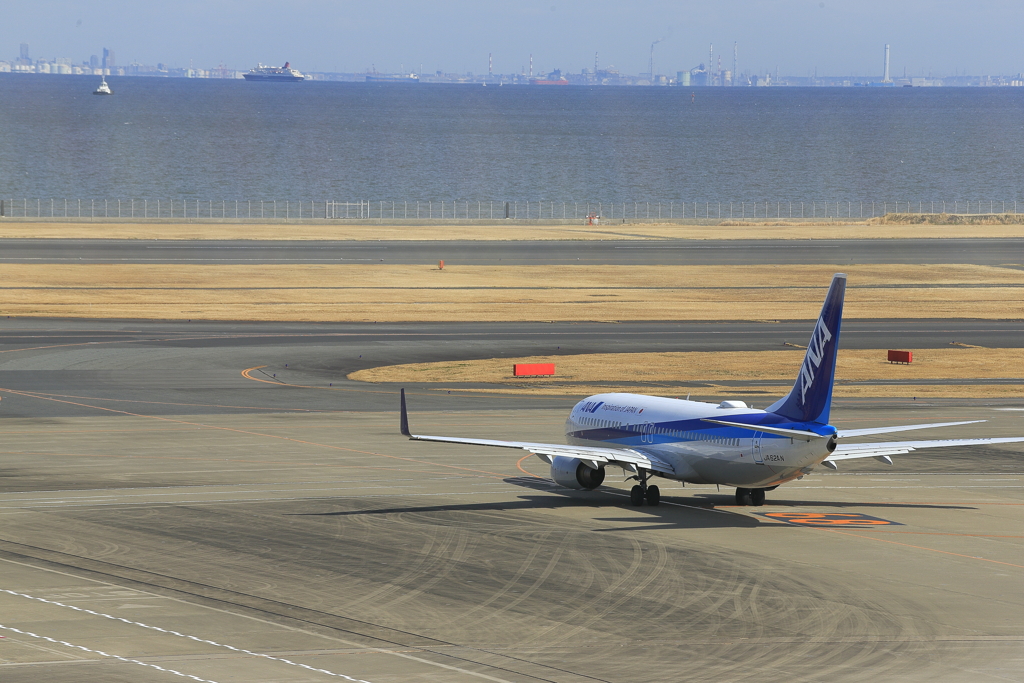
274,73
553,78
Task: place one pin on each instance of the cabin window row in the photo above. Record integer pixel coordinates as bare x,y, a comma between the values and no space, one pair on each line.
679,434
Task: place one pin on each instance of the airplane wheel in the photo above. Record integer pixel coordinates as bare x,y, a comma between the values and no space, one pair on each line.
636,495
743,497
757,497
653,495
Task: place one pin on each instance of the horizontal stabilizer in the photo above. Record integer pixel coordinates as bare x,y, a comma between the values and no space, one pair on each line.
847,433
788,433
867,454
876,450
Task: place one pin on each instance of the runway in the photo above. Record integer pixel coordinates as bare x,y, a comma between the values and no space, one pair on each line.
164,516
175,366
624,252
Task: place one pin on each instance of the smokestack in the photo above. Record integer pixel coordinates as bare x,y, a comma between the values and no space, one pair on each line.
531,64
490,65
885,77
735,61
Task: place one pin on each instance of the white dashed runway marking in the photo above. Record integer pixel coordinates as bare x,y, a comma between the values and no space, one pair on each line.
162,630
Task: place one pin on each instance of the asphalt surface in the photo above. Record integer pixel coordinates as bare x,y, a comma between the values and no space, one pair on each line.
640,252
168,365
161,512
163,515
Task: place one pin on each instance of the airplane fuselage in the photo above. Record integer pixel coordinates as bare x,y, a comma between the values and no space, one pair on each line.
729,444
700,452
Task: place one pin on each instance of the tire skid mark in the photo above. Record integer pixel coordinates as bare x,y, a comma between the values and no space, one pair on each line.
537,583
525,565
440,568
558,634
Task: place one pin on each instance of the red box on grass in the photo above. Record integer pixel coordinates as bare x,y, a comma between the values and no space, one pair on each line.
532,369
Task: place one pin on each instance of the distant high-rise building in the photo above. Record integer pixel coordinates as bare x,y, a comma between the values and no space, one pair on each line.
735,62
108,58
885,77
24,52
94,61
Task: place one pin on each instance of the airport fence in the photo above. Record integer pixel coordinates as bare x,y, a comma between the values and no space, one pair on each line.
194,209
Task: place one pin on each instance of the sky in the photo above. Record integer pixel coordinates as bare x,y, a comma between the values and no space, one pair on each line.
795,37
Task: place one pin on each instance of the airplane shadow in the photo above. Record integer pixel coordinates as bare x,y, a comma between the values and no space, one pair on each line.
669,515
721,499
698,511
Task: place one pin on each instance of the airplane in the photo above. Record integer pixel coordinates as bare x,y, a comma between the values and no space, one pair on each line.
729,443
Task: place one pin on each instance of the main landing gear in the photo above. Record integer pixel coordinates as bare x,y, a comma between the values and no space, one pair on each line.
750,497
641,492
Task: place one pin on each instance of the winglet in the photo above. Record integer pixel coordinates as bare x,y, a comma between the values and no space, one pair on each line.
404,424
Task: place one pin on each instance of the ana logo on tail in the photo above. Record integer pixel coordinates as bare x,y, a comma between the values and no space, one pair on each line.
815,352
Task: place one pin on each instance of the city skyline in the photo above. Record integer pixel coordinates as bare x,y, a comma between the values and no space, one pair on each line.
793,37
714,72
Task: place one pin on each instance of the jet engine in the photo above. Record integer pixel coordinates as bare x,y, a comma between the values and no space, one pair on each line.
572,473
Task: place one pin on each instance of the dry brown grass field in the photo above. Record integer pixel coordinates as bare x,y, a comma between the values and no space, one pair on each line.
609,231
383,292
703,373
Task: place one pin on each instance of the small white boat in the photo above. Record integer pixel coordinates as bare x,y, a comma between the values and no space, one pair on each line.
104,89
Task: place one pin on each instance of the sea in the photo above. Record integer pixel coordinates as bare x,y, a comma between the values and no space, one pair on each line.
199,139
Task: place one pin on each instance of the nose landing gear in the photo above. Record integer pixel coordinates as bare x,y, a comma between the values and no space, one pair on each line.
641,492
753,497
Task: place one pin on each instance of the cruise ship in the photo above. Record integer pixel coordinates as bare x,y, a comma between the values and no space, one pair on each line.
274,73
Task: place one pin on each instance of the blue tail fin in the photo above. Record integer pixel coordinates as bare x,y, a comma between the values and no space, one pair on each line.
811,396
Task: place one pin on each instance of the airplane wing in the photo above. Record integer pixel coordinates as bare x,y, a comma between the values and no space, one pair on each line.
627,458
882,451
593,456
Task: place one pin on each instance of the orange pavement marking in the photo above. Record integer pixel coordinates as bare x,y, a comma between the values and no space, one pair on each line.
243,431
827,518
938,533
282,383
127,341
194,338
90,431
205,459
244,372
169,403
921,547
519,465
